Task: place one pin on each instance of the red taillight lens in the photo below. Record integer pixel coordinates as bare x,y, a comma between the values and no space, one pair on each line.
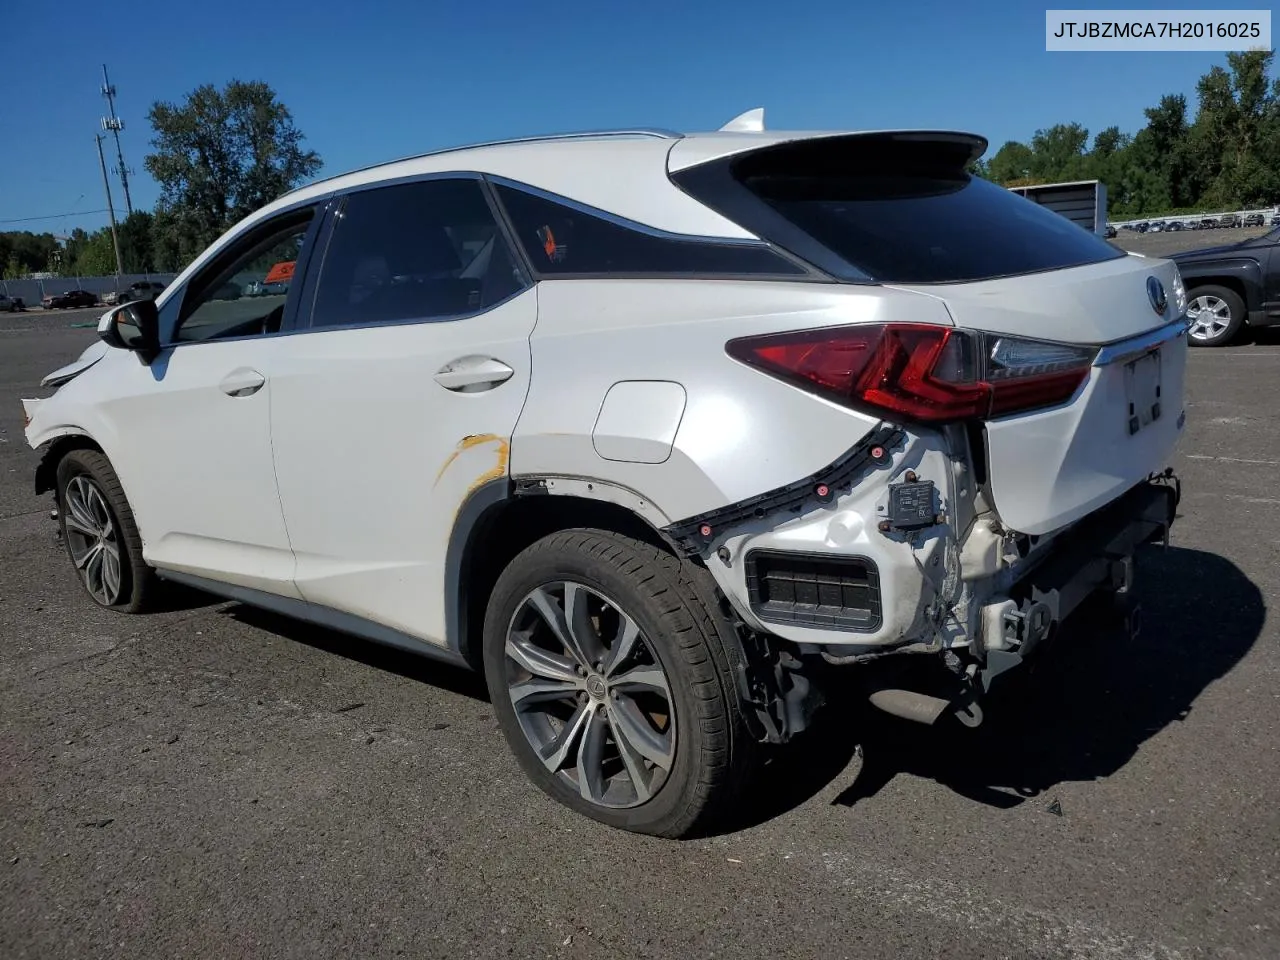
921,371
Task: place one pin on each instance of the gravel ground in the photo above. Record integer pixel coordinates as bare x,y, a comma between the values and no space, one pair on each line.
217,782
1163,244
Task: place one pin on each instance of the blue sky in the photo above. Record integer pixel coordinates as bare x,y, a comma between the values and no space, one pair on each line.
379,80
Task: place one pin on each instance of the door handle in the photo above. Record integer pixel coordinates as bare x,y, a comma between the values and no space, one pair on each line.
469,374
244,382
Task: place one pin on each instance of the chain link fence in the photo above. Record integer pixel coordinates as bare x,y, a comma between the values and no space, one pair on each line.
31,292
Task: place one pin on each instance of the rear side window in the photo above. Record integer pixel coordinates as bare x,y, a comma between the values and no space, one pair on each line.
560,240
895,211
429,250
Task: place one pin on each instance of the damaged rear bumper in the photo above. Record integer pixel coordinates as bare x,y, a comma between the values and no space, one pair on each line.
1095,555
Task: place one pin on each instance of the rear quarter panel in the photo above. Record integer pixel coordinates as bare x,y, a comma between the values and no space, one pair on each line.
741,432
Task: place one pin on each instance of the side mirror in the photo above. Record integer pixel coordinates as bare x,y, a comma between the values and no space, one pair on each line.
133,326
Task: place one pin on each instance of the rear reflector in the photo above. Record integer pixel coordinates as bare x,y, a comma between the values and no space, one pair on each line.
921,371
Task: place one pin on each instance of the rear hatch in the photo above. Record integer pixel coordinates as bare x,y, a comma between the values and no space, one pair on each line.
1040,295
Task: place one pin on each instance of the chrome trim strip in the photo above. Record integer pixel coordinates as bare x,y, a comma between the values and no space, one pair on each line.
640,133
1127,349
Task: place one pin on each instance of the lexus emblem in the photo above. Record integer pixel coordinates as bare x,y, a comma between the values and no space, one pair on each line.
1155,293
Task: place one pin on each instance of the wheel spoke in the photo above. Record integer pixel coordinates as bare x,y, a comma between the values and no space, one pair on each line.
75,524
591,782
642,679
77,507
93,573
634,763
540,662
623,644
110,576
633,733
556,753
526,693
562,620
582,632
82,561
98,509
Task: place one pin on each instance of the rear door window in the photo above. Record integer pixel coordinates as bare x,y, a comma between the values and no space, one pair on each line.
430,250
894,211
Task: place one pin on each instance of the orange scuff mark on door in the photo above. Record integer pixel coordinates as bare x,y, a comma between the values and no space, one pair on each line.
475,440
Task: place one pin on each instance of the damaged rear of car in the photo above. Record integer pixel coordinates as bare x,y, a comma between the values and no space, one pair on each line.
1005,462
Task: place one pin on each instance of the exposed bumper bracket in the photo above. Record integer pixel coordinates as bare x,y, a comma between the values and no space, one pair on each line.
1097,554
693,534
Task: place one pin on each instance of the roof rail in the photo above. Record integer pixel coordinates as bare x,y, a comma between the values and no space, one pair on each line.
654,133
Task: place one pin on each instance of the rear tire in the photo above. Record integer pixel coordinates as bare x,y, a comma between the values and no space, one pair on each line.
1216,315
100,535
635,711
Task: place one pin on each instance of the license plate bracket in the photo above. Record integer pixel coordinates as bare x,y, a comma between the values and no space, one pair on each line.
1142,390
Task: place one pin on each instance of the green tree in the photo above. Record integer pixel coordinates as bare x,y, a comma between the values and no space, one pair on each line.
96,255
1232,144
73,250
30,250
1012,162
136,242
220,155
1058,152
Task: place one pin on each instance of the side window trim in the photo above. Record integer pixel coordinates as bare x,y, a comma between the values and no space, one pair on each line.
808,273
320,219
337,204
298,310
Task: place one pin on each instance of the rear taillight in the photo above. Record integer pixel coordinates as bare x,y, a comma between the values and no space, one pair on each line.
921,371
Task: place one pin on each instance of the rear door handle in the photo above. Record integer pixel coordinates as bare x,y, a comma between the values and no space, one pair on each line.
477,373
243,382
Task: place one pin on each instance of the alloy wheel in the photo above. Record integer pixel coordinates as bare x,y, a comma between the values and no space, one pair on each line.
590,695
92,539
1209,317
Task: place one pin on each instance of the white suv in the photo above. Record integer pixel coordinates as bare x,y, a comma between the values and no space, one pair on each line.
652,429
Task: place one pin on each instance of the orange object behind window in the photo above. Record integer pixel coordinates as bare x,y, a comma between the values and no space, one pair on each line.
280,272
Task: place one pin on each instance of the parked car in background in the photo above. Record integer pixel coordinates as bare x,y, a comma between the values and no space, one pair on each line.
1254,220
140,290
72,298
1275,220
1208,223
1142,227
143,290
1110,232
1157,226
923,426
1229,220
10,304
1231,288
1173,226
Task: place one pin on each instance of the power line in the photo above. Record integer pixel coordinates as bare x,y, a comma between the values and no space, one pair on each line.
54,216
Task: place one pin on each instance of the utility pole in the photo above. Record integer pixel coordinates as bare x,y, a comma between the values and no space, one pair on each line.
115,125
111,210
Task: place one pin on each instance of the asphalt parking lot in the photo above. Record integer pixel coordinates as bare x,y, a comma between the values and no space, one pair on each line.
217,782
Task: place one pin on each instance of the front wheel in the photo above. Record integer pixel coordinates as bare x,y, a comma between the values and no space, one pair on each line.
607,669
100,535
1215,315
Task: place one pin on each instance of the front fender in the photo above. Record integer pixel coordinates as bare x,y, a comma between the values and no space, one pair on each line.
1246,272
